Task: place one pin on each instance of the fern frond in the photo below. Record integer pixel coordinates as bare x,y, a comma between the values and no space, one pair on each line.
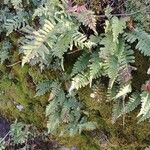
4,50
109,48
117,110
95,67
126,58
112,68
80,80
87,126
87,18
80,40
81,64
123,91
34,45
16,22
17,3
46,86
145,106
147,148
62,45
43,87
133,102
143,39
118,25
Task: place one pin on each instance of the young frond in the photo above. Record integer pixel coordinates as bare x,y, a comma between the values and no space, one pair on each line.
143,39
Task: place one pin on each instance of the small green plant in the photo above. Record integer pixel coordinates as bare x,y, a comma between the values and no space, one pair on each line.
19,133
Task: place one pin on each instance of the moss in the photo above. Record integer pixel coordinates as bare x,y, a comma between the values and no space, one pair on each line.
80,141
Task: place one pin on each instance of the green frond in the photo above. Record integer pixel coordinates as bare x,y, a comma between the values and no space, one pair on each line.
62,44
123,91
126,59
47,86
43,87
4,50
132,103
148,148
64,112
143,39
81,64
17,3
117,110
109,48
80,80
95,66
16,22
87,18
80,40
87,126
145,106
34,46
112,68
118,25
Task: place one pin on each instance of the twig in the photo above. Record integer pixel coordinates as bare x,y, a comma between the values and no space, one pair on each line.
14,64
72,52
130,14
4,137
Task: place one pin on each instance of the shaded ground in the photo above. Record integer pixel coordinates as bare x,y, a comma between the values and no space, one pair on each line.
37,144
4,127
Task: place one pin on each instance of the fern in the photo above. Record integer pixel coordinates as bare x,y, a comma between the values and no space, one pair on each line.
34,45
16,3
80,40
143,39
18,133
43,87
117,27
5,48
81,64
145,106
80,80
64,112
123,91
47,86
16,22
87,18
96,67
133,102
126,59
147,148
117,110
